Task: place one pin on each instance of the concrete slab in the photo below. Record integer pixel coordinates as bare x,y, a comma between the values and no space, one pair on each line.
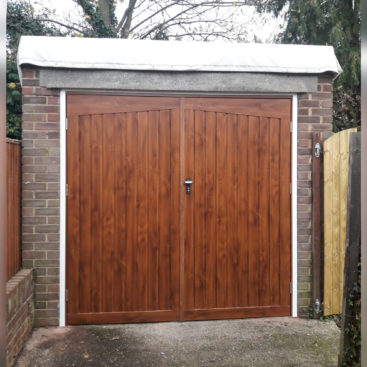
177,82
276,342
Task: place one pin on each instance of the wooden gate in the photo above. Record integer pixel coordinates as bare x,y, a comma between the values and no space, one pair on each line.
336,158
139,246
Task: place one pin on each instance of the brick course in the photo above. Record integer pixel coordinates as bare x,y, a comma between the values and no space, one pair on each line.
315,115
41,160
20,313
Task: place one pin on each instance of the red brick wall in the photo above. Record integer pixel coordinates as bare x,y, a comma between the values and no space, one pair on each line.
314,115
41,188
20,312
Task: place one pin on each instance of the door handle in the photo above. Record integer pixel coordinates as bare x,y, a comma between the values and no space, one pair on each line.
188,184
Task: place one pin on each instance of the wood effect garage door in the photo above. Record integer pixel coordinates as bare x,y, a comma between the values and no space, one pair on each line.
139,248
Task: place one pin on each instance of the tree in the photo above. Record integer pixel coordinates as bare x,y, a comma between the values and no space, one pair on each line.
22,19
166,19
329,22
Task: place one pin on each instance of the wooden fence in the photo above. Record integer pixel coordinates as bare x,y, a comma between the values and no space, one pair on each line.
13,186
336,158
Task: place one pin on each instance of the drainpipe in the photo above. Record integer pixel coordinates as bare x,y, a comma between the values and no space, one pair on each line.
3,184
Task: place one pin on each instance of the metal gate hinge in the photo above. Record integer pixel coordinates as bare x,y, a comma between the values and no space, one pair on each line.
66,123
66,295
290,188
317,150
66,190
291,126
290,287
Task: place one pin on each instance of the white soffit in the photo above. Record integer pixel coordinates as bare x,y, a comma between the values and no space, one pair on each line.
121,54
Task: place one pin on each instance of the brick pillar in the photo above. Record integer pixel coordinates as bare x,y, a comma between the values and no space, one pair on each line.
314,115
40,193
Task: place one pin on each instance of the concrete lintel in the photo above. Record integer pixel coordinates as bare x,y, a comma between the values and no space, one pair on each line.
177,81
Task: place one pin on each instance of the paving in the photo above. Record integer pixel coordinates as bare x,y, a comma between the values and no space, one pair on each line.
275,342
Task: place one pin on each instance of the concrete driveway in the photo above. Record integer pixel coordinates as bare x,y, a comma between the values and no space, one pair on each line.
275,342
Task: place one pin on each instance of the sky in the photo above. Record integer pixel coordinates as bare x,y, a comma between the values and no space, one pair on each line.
263,27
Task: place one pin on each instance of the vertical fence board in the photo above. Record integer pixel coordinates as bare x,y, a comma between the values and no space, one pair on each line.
328,200
336,156
13,207
344,168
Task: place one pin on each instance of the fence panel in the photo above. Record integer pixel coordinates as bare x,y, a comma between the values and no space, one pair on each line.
13,172
336,158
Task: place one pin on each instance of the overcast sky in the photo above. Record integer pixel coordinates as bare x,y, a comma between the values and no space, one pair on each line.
264,28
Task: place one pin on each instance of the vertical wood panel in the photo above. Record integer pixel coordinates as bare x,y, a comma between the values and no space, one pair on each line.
131,173
344,171
274,219
164,209
231,201
13,190
96,239
119,262
210,202
328,201
141,258
243,198
335,214
108,211
285,212
222,167
189,171
199,212
253,211
263,175
153,235
73,224
336,157
85,212
175,210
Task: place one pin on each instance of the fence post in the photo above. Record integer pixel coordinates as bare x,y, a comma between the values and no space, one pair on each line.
353,238
316,224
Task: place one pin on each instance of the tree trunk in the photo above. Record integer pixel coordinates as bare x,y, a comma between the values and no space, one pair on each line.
104,9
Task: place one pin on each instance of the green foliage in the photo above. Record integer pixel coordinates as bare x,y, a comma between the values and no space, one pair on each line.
22,19
352,356
13,102
329,22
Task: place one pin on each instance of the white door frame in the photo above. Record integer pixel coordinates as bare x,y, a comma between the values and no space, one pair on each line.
294,159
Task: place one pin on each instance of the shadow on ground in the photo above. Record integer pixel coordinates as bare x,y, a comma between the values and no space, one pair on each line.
275,342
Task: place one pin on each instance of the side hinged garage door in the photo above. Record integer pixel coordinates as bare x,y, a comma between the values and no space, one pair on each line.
144,246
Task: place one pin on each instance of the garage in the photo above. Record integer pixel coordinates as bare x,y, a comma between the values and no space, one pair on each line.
183,174
178,208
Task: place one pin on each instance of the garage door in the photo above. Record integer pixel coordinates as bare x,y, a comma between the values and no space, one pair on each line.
144,246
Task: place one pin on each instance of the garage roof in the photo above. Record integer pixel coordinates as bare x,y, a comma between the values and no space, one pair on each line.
122,54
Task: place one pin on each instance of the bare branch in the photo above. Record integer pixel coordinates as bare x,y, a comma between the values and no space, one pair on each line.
154,14
146,18
62,24
220,34
174,17
126,27
127,14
